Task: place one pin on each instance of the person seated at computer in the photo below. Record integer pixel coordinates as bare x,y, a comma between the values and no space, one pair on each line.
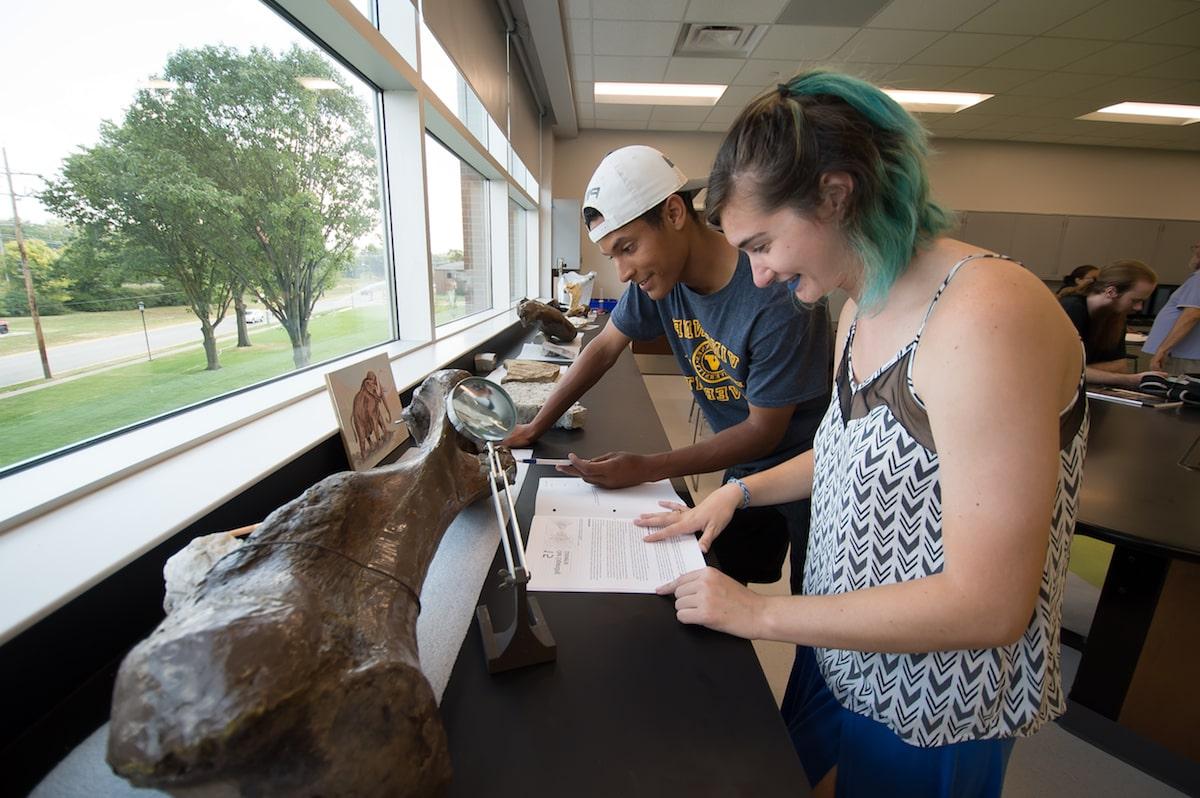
1099,315
1079,280
1174,339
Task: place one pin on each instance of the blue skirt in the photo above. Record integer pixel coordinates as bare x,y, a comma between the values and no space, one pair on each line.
870,758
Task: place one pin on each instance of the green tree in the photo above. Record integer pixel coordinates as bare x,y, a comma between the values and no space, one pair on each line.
51,288
138,184
297,164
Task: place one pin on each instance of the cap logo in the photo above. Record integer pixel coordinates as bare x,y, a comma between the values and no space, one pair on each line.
592,193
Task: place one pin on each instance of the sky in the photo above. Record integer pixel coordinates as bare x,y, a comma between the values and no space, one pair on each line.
67,65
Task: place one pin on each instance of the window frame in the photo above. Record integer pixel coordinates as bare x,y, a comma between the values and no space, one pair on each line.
89,505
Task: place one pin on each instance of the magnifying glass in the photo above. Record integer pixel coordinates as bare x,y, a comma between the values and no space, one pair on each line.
483,411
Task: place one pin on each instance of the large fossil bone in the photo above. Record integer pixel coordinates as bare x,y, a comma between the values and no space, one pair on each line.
292,667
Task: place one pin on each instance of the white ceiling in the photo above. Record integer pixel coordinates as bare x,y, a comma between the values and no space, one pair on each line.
1047,61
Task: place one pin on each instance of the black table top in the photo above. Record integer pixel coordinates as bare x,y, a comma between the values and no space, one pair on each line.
637,703
1135,492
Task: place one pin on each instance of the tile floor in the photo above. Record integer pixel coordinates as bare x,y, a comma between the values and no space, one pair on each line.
1052,763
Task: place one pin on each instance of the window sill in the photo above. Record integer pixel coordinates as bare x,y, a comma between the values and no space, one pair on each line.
72,521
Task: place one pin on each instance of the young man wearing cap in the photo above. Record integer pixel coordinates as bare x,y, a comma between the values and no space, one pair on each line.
758,365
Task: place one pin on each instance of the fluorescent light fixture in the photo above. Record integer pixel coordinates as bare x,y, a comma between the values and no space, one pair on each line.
935,102
1146,114
659,93
159,85
318,84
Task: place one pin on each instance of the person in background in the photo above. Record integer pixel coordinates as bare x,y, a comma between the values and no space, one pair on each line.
1080,278
944,476
1174,339
1099,314
758,365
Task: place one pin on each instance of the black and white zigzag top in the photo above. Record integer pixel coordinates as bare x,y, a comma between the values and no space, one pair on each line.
877,519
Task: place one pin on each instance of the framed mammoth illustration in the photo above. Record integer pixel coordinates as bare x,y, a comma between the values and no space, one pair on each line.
368,409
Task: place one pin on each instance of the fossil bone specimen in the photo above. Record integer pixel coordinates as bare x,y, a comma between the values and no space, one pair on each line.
291,668
530,371
553,324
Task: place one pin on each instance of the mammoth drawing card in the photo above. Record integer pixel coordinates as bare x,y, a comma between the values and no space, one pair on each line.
368,409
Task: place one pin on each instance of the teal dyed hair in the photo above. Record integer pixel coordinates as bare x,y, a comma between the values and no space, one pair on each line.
821,122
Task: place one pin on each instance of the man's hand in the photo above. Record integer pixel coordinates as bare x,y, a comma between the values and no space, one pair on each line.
711,598
522,437
613,470
1157,362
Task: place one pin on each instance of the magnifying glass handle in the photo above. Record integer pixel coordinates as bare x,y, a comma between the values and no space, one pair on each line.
512,507
508,558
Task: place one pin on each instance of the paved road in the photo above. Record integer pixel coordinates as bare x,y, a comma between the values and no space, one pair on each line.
27,366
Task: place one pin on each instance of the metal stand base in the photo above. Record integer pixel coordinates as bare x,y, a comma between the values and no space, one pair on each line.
527,641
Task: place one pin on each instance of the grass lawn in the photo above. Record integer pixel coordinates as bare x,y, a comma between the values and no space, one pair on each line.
64,413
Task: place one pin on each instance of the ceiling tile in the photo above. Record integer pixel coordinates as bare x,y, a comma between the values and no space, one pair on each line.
714,127
1126,58
1018,124
1047,52
634,38
578,9
956,122
1060,84
679,113
703,70
738,96
1025,16
613,124
757,11
968,49
609,112
1116,90
581,67
872,73
585,111
1185,30
1013,105
1187,92
673,125
920,76
584,91
760,73
723,115
639,9
877,45
927,14
1117,20
988,80
579,36
636,68
986,135
801,42
1186,67
1040,137
843,13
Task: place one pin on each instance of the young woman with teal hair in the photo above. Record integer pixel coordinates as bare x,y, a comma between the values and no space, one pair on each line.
944,476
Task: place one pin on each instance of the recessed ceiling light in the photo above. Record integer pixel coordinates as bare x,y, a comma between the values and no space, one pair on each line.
318,84
159,85
1146,114
659,93
935,102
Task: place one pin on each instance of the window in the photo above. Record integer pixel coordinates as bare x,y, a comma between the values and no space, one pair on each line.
518,251
201,214
459,239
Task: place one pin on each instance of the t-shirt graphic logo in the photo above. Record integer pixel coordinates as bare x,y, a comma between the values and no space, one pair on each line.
708,366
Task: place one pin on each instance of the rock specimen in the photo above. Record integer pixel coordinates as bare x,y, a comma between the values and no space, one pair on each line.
291,668
530,371
553,324
188,566
529,397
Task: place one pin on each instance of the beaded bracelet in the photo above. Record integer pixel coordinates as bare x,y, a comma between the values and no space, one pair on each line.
745,491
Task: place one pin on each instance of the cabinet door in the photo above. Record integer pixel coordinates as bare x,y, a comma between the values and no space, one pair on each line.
1036,242
989,231
1174,250
1100,240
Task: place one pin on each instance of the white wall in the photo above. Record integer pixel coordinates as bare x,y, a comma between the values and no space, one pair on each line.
966,174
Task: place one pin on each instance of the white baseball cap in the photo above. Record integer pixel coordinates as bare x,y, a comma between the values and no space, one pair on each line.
629,182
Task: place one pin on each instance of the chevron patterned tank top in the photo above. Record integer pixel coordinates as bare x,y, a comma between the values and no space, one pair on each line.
877,519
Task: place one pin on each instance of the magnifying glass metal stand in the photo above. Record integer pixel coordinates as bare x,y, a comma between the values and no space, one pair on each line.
483,411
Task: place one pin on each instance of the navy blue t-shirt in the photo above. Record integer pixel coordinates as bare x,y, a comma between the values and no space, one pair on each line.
742,346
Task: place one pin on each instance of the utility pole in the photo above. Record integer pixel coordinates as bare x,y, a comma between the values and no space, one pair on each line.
37,320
